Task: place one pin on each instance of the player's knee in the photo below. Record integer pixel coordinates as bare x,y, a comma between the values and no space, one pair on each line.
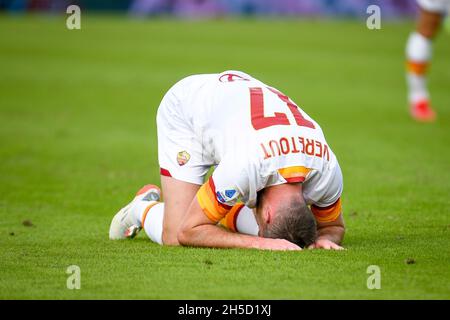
182,237
170,238
429,24
430,31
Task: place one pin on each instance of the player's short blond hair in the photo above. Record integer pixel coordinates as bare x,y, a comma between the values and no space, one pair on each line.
294,222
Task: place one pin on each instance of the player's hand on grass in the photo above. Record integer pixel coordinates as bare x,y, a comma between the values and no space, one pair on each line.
276,244
325,244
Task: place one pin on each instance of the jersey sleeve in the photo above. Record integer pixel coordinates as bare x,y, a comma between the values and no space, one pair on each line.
324,193
327,214
221,192
208,200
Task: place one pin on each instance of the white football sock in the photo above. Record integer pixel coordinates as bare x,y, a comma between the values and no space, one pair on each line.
246,222
418,55
153,222
418,48
417,87
138,210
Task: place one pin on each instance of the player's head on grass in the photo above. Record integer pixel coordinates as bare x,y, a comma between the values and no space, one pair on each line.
282,213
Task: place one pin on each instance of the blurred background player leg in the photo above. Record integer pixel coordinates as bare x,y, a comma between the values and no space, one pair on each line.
418,55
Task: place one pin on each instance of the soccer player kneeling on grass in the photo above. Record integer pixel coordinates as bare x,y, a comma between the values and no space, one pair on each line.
276,184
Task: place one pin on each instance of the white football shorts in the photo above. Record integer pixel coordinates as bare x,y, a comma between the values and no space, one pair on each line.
439,6
180,153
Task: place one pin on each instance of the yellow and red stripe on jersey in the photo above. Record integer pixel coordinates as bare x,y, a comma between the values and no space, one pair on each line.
206,197
294,174
327,214
230,220
419,68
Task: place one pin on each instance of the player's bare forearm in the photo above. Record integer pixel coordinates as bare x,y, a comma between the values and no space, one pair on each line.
210,235
332,233
198,231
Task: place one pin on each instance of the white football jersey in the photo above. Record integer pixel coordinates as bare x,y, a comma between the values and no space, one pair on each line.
254,135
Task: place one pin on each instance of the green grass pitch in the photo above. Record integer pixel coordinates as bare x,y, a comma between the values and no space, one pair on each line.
78,138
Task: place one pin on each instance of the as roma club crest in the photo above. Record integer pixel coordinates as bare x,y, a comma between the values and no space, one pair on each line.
183,157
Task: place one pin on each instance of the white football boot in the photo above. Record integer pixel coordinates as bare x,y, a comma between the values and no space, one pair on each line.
125,224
